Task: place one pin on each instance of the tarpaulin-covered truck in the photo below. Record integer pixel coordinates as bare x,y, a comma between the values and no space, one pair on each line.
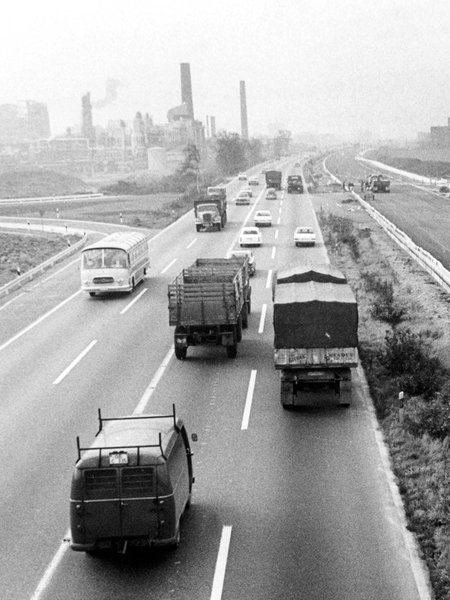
315,320
209,303
211,211
378,183
273,179
294,184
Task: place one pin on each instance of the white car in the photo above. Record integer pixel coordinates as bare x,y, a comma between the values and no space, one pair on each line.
250,236
263,218
248,190
271,194
242,177
242,198
248,254
253,180
304,236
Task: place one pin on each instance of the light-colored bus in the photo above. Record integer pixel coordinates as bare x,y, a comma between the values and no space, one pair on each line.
116,263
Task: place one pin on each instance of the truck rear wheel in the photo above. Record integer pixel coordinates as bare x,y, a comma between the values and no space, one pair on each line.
232,351
181,353
198,227
239,329
244,316
249,305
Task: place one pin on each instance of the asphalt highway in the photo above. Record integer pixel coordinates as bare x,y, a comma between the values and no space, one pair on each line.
287,504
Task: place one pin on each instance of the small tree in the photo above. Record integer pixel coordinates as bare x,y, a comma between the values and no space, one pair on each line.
230,153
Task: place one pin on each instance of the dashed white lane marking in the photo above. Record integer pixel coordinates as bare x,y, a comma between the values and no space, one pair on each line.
279,220
274,250
130,304
262,319
221,563
248,400
269,279
32,325
74,362
276,233
192,243
153,383
167,267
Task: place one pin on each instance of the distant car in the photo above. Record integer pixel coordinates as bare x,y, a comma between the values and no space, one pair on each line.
251,259
250,236
304,236
271,194
242,177
242,198
263,218
253,180
297,164
444,189
248,190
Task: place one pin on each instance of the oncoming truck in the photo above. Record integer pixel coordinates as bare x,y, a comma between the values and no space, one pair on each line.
211,211
378,183
315,320
209,303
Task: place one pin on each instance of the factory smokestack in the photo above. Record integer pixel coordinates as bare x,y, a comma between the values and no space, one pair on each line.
244,122
186,88
213,125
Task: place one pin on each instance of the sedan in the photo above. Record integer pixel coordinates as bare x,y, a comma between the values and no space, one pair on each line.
242,198
250,236
246,254
248,190
304,236
262,218
242,177
271,194
253,180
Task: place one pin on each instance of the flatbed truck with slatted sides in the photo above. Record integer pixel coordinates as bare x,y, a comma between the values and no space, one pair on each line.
209,304
315,321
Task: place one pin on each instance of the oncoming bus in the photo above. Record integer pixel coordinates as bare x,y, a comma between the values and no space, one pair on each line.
116,263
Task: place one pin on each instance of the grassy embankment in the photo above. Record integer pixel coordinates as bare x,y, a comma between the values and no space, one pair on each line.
404,346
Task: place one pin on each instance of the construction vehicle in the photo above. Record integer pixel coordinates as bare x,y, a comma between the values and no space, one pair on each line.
315,321
378,183
273,179
211,212
294,184
209,304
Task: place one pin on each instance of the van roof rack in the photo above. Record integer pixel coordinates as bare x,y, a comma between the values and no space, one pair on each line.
138,448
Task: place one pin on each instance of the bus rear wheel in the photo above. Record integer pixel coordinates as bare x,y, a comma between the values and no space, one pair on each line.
92,294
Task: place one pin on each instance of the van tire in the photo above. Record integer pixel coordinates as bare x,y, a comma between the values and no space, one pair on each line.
232,351
239,329
181,353
92,294
244,316
175,544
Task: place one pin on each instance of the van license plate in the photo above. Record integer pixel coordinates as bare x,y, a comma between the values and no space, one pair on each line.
118,458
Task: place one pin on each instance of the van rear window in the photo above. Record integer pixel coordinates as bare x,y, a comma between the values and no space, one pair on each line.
138,481
101,484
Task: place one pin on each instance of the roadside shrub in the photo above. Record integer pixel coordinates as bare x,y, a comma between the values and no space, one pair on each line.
429,416
407,357
386,307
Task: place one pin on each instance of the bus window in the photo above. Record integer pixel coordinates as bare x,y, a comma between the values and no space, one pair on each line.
92,259
116,259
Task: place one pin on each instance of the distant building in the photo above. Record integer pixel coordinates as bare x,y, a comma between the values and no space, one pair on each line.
440,136
87,127
24,122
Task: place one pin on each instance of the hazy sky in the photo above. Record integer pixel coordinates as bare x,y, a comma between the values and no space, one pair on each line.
337,66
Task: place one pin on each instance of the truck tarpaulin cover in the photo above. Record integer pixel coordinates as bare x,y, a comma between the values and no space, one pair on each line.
300,273
315,315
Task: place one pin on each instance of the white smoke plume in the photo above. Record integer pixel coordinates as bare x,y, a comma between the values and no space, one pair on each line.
111,88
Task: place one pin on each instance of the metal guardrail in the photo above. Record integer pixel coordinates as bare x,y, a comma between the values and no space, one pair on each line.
426,260
95,196
32,273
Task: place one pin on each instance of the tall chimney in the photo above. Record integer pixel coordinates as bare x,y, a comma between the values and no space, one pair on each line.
244,122
186,88
213,125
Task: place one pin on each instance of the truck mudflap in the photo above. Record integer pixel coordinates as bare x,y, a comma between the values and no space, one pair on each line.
315,387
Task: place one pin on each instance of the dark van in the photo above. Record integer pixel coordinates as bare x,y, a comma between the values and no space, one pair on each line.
132,485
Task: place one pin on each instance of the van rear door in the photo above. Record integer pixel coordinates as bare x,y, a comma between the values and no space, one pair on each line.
102,504
139,506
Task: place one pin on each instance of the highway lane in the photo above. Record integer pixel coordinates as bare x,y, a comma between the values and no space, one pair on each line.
289,538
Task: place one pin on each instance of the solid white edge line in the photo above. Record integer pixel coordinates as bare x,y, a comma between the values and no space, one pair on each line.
130,304
221,563
262,319
169,265
32,325
269,278
153,383
45,580
74,362
192,243
248,400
